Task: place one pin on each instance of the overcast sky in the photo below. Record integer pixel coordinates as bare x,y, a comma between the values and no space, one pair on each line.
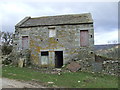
105,15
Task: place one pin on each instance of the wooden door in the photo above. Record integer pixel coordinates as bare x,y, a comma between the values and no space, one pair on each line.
24,42
44,58
84,39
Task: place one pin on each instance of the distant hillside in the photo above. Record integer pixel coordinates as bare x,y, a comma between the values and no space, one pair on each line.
109,51
103,47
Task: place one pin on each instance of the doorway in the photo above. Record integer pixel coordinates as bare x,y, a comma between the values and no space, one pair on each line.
58,59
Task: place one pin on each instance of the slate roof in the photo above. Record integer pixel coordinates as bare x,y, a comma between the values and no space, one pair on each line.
56,20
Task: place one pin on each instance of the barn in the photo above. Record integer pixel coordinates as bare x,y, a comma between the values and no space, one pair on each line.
57,40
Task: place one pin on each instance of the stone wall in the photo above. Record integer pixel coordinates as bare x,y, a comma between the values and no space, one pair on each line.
110,67
106,65
67,40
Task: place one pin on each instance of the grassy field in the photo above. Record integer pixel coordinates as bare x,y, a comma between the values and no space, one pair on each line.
66,79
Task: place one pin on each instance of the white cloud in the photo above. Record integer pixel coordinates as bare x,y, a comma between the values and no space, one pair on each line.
105,37
104,14
67,0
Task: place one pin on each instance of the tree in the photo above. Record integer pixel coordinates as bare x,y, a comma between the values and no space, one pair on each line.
7,38
7,41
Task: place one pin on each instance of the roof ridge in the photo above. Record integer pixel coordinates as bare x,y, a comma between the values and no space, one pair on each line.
61,15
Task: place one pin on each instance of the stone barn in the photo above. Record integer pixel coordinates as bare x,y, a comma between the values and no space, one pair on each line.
56,40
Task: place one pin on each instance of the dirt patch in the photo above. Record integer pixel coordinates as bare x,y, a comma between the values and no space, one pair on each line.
10,83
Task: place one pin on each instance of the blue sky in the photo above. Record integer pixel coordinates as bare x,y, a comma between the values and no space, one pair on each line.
105,14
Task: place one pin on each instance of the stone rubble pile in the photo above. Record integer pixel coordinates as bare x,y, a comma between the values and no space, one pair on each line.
110,67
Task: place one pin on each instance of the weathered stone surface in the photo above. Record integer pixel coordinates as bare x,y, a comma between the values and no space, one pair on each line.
97,67
110,67
73,66
67,39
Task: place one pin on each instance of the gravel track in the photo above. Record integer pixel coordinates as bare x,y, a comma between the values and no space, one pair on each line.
10,83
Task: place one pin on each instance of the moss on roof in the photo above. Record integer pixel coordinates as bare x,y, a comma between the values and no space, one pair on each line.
56,20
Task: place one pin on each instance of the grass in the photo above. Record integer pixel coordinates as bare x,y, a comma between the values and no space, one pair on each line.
66,79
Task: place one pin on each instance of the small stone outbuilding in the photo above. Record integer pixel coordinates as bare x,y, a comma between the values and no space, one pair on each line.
56,40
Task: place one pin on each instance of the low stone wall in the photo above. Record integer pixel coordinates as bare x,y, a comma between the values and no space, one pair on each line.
107,67
110,67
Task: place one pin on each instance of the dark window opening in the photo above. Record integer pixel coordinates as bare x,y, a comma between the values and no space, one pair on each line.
91,52
91,36
57,39
44,53
58,59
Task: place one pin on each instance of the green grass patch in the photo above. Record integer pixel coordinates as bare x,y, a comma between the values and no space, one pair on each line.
66,79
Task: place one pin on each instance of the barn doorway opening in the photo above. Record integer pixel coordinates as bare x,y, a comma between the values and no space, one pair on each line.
58,59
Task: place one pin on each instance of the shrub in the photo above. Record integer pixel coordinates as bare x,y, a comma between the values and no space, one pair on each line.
7,61
6,49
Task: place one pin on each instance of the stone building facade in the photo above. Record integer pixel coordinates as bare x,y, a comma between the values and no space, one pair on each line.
56,40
